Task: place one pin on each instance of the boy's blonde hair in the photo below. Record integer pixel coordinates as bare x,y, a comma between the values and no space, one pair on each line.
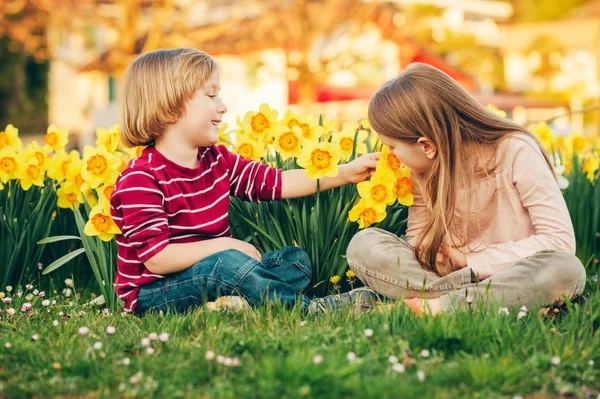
157,86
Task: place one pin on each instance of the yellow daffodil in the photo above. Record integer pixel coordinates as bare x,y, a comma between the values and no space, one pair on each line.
543,133
366,213
66,199
335,279
591,163
263,126
496,111
350,274
105,191
89,195
345,139
134,152
320,159
32,174
289,144
380,189
309,126
329,125
9,137
99,166
33,150
224,136
56,139
249,148
10,164
101,223
388,161
578,142
73,180
403,186
108,139
58,164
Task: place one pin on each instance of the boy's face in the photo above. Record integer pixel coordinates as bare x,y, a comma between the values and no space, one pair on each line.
203,114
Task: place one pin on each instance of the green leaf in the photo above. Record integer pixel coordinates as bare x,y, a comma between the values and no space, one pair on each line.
48,240
62,260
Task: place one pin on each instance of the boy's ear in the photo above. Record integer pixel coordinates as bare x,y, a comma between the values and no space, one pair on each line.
428,147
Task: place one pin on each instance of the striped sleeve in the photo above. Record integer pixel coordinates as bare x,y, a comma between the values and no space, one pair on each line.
139,202
250,180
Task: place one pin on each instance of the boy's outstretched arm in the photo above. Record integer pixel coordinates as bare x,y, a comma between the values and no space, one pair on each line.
295,183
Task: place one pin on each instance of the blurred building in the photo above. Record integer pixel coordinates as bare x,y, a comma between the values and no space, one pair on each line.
256,67
558,59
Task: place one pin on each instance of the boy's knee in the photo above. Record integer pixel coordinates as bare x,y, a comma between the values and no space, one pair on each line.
295,255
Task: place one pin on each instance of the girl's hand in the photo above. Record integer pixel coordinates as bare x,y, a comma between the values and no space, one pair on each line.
359,169
450,258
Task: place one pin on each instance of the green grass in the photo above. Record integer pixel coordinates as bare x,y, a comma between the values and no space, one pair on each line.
471,354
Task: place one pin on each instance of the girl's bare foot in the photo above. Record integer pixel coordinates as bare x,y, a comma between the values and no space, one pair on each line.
420,306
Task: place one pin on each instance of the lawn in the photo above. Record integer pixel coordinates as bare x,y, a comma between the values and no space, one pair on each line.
69,349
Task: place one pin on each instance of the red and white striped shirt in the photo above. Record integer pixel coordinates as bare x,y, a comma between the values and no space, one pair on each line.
157,202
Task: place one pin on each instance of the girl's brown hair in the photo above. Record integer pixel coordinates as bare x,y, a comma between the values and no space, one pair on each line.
425,102
157,86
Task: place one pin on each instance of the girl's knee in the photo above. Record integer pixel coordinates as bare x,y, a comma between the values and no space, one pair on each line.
362,243
565,275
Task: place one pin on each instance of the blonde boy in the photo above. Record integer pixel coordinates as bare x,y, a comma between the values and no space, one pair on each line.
171,203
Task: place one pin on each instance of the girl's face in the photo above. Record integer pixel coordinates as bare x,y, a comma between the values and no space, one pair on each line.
418,156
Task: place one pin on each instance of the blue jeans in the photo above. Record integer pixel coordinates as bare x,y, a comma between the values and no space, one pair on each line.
282,275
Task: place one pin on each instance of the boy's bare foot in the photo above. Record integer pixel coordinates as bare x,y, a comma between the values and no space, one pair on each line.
231,303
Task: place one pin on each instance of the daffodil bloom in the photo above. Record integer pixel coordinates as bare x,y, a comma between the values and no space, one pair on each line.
380,189
224,137
105,191
329,125
9,137
334,280
578,142
543,133
263,126
56,139
101,223
66,199
366,213
289,144
320,159
58,164
33,150
32,174
591,164
350,274
345,139
108,139
249,148
309,127
74,180
388,161
99,166
134,152
10,164
403,186
88,194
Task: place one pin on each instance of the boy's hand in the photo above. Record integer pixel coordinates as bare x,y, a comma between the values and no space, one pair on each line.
359,169
244,247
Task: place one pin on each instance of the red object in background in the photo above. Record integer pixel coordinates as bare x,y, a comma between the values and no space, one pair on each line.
325,93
